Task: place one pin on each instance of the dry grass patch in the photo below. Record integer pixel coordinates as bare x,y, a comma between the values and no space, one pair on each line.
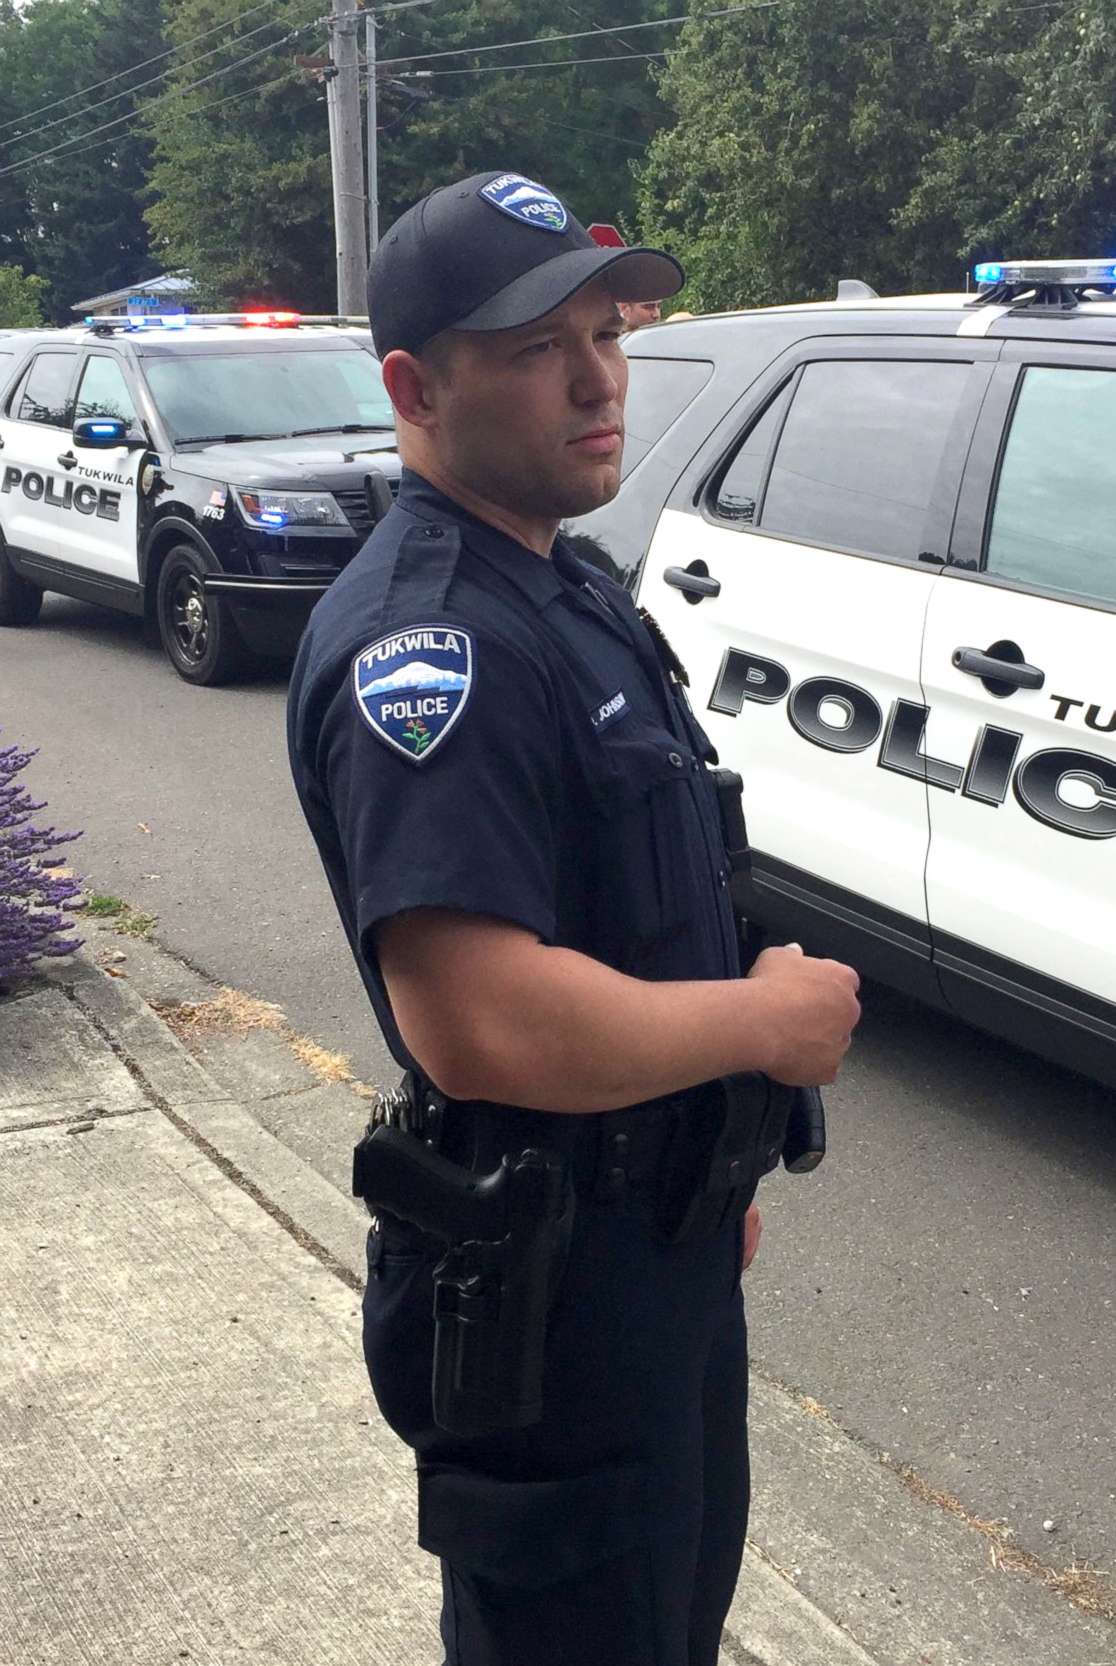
1089,1589
231,1012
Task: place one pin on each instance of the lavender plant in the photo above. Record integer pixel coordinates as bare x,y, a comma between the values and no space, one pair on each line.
34,903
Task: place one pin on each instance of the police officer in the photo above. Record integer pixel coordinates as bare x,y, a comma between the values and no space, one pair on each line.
510,797
638,314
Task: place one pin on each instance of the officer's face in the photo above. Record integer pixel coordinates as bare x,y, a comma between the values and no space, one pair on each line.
638,313
532,419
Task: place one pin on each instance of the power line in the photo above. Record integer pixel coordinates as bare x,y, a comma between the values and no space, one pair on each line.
584,34
175,92
140,85
599,29
229,98
545,63
68,98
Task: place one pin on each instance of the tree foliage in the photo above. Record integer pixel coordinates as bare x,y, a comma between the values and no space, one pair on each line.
579,129
775,150
797,133
892,140
73,207
1027,165
240,189
20,299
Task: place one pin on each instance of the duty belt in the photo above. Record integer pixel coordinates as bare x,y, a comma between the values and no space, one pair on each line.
687,1161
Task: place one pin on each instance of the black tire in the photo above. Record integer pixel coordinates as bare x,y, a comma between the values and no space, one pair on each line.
20,600
197,631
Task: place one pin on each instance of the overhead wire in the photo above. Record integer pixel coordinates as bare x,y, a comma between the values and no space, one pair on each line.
80,139
140,85
95,86
544,63
583,34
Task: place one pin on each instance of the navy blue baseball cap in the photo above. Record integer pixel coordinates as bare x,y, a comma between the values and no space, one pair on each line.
492,252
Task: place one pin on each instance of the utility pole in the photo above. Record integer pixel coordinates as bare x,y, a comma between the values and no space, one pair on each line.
371,9
373,153
343,95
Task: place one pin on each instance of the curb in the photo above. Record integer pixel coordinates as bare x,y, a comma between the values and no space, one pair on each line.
322,1219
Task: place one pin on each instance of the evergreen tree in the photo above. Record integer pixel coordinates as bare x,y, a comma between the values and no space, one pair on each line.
84,229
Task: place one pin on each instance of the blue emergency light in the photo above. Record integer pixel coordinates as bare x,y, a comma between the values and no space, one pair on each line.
1030,273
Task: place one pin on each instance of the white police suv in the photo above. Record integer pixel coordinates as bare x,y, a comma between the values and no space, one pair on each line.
211,473
881,534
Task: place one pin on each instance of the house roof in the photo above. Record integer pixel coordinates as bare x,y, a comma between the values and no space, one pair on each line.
168,283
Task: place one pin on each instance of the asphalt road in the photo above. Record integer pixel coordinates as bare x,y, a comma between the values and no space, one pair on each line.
943,1286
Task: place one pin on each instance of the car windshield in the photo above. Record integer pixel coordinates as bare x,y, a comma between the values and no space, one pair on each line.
204,396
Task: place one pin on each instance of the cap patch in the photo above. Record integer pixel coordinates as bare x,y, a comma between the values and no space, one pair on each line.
411,687
533,204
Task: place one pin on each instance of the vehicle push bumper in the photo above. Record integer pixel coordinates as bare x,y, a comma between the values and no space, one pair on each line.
270,613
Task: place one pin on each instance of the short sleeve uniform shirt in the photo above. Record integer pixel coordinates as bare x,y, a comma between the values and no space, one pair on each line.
473,726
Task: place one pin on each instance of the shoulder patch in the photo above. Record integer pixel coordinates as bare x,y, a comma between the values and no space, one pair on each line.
412,686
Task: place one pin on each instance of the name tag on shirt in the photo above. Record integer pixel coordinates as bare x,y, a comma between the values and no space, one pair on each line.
610,711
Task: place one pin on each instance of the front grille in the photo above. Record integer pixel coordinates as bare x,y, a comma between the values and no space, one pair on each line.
354,503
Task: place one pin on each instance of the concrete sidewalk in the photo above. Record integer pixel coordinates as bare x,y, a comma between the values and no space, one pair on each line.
191,1465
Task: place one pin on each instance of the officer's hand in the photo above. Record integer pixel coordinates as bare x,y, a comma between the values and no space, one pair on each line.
812,1011
752,1228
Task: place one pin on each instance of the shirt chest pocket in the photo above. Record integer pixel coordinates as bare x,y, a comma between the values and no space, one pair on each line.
650,862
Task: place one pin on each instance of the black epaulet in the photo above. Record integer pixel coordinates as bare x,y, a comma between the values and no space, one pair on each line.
422,570
665,654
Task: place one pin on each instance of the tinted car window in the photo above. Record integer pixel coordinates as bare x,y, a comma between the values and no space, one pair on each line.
859,453
658,392
44,395
738,493
104,392
1054,524
205,396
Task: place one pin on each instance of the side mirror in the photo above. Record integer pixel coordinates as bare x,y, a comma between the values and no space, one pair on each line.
105,433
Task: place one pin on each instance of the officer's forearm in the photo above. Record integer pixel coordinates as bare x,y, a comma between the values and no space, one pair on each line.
490,1013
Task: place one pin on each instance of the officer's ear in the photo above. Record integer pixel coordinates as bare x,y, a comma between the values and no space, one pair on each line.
411,384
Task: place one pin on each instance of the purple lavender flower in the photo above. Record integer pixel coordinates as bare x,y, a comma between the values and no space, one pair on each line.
34,903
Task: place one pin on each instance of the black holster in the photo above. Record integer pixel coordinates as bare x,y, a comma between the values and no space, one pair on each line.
508,1234
730,1136
803,1124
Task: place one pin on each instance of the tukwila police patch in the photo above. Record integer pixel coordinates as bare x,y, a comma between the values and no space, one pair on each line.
533,204
411,687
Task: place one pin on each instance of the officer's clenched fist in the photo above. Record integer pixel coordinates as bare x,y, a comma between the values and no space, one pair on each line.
811,1010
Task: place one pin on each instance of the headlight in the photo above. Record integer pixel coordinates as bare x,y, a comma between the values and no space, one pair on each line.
275,510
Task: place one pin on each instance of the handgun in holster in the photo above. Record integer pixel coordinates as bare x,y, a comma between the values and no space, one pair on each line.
508,1235
803,1143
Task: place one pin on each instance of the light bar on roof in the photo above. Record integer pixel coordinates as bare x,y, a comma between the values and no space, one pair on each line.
1070,272
265,318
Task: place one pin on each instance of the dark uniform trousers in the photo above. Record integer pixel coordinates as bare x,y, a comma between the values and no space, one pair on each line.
567,793
611,1533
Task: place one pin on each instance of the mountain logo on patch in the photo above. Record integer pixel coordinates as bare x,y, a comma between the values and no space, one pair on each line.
411,687
525,201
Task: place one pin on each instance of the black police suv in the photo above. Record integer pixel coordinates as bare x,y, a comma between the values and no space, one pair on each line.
211,473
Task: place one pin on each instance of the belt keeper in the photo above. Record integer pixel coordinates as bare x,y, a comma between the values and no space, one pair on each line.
612,1169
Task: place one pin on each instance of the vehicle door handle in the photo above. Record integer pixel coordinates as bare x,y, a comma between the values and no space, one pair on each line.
693,581
989,667
67,459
